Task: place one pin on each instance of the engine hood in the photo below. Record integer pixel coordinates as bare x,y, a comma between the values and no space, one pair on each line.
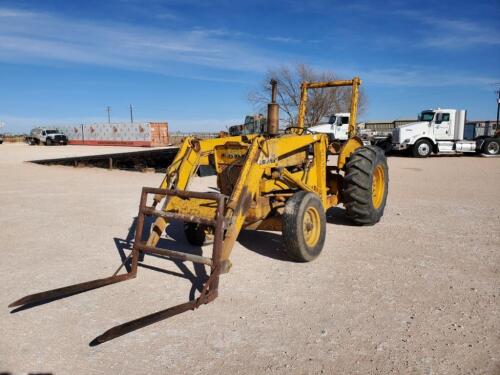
325,128
408,133
414,124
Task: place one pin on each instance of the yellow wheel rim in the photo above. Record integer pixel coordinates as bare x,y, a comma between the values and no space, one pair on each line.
378,186
311,226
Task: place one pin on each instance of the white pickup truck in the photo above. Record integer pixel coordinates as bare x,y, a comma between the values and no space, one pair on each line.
337,126
442,131
46,136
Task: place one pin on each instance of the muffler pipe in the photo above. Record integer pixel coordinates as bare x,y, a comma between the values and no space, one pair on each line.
273,112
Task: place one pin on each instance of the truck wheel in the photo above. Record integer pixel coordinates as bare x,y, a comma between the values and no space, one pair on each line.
422,149
366,183
491,147
304,226
196,234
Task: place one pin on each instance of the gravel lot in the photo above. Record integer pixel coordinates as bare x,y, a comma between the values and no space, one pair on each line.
417,293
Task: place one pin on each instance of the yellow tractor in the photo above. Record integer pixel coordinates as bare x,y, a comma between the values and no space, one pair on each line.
279,182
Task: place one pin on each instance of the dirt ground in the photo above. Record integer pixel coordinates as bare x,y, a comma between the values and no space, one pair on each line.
417,293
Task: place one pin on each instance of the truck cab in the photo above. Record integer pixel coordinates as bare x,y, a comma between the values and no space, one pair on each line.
254,124
336,126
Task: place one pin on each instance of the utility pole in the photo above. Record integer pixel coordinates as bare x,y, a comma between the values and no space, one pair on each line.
131,114
109,114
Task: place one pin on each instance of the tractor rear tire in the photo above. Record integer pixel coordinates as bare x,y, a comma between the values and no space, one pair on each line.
304,226
366,183
196,234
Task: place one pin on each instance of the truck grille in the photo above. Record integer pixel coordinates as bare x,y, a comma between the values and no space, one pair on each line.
396,134
60,138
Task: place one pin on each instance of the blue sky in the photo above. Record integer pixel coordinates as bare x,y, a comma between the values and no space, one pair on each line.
193,63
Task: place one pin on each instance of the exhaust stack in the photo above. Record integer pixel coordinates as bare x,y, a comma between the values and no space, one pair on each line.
273,112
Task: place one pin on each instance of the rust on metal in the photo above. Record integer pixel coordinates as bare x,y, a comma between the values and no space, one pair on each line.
175,254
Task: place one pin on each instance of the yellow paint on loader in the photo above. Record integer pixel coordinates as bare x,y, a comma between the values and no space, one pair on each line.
260,172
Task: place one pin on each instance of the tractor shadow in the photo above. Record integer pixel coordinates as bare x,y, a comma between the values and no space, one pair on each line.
265,243
337,216
268,244
175,241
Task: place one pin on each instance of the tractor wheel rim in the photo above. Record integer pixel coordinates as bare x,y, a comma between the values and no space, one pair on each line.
378,186
311,226
493,148
423,149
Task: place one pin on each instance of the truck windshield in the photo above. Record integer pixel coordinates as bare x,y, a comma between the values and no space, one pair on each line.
51,131
426,116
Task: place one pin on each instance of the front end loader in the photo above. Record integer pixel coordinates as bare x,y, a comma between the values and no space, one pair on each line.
274,181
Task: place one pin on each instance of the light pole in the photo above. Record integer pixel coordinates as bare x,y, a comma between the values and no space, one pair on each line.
109,114
131,115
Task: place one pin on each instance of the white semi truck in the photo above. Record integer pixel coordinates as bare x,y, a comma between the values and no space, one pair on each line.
443,131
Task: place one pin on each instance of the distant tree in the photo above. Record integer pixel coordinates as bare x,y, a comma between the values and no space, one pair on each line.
321,102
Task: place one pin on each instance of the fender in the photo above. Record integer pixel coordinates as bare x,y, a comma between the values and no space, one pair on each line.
432,141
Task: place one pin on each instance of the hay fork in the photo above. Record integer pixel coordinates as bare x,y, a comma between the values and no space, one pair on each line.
210,288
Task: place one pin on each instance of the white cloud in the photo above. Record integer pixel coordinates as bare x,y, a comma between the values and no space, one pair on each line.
42,37
458,34
425,77
282,39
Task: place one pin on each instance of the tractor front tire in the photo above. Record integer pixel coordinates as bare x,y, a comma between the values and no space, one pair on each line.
196,234
304,226
366,184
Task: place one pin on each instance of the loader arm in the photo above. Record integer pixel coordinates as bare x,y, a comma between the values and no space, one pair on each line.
243,194
191,155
